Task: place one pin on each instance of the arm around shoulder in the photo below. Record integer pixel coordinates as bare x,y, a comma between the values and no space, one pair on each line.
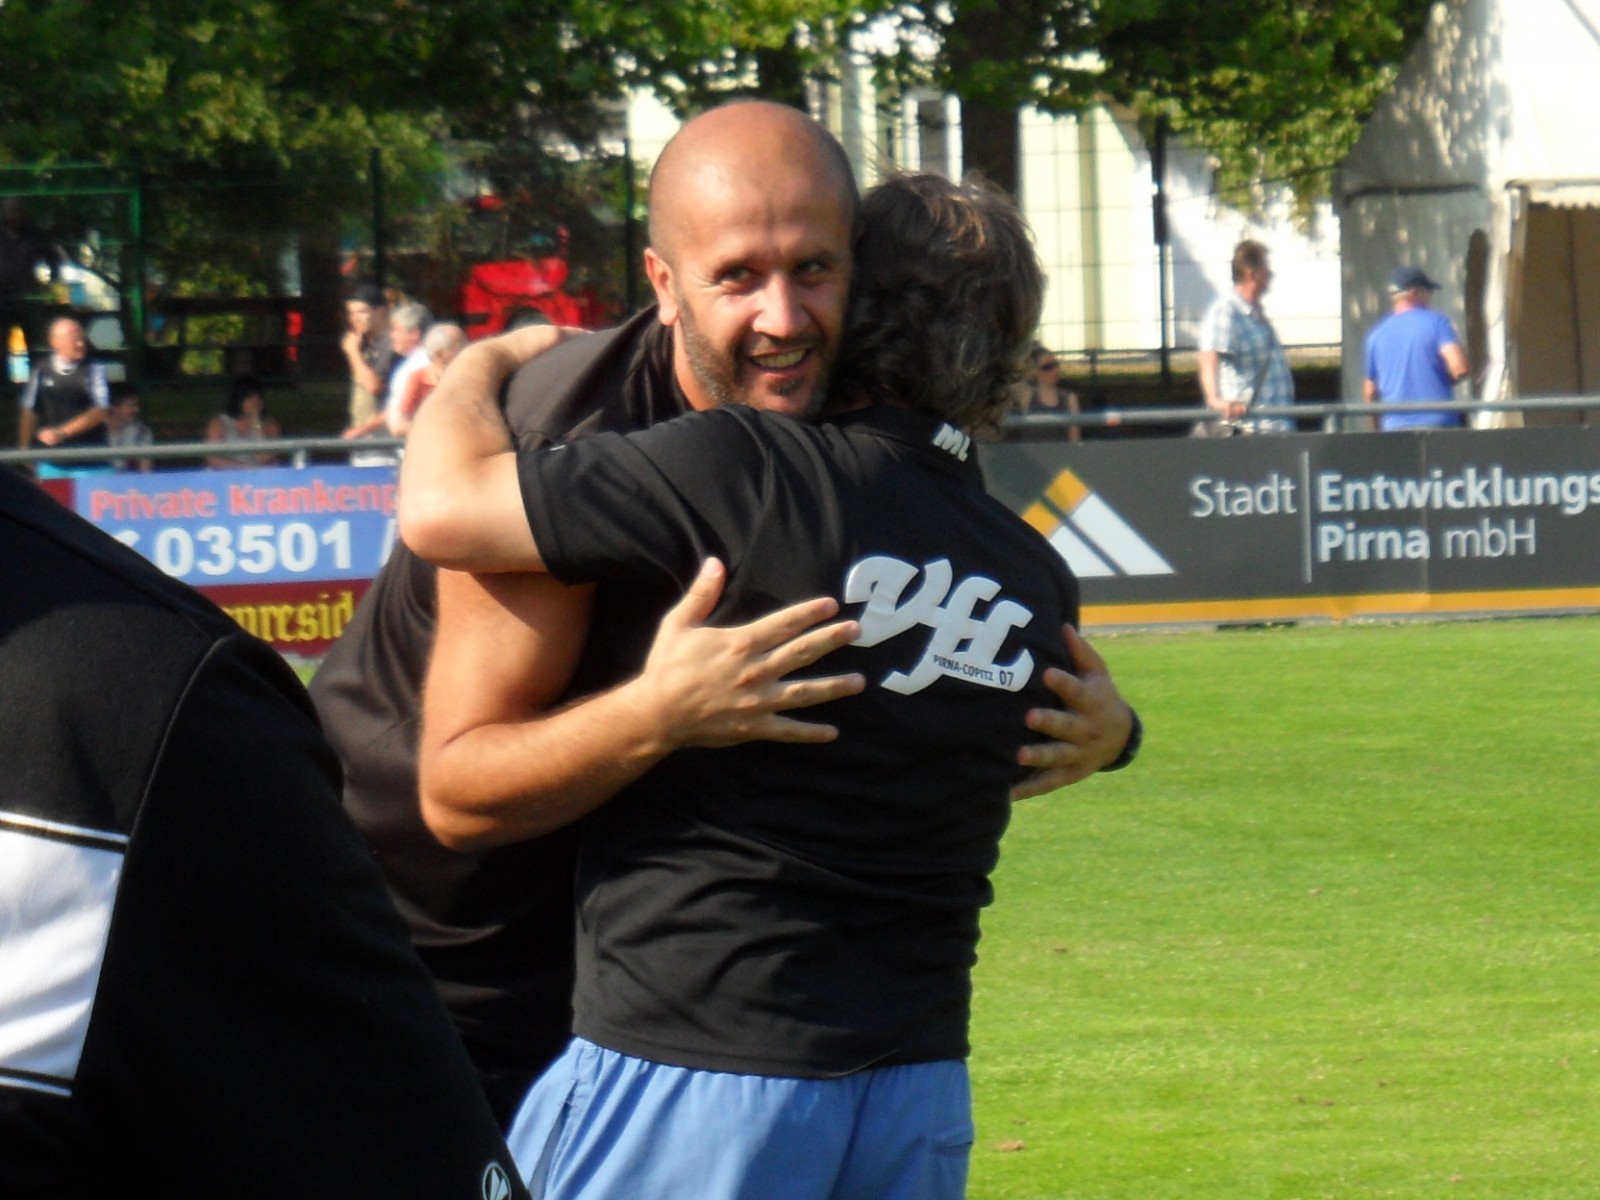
460,499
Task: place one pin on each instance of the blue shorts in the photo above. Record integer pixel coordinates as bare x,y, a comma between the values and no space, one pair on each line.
44,470
599,1124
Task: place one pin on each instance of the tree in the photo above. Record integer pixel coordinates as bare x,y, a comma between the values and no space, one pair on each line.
1274,89
285,100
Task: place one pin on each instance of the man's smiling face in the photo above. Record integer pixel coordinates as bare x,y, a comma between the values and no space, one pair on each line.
754,275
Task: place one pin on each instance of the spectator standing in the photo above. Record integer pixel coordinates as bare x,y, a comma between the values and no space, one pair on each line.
65,401
1243,368
203,989
441,344
124,429
408,326
1414,354
371,358
244,421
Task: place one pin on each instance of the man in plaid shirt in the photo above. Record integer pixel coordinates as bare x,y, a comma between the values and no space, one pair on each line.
1242,364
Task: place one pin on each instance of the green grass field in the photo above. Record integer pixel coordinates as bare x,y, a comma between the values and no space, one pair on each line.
1337,934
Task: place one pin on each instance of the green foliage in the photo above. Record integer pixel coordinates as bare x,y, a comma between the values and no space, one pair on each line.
1334,935
287,100
1275,90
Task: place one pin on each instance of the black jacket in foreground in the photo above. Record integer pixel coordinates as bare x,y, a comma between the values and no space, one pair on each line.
204,990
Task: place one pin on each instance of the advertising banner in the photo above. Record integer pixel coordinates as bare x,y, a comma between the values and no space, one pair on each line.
1312,525
286,552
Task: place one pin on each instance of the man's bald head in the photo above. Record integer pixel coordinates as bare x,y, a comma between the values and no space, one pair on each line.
747,140
752,215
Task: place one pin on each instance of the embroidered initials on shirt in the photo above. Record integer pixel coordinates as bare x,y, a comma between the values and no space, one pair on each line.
963,645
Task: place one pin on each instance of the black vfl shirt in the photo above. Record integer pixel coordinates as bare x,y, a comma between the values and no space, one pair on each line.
808,910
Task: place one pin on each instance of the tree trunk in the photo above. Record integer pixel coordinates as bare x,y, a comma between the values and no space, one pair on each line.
983,33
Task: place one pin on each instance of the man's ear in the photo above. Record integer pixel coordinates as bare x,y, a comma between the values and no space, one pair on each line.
659,273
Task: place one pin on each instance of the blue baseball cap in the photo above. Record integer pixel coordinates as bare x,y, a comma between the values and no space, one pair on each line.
1405,279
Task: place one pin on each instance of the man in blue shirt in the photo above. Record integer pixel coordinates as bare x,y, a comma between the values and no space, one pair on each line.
1414,354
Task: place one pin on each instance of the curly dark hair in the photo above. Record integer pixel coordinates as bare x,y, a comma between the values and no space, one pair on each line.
946,298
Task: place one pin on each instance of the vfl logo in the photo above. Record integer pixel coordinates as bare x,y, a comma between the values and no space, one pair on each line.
496,1184
1086,531
963,646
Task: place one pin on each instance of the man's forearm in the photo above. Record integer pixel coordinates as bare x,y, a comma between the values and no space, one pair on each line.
89,418
499,784
362,373
496,767
1209,364
27,422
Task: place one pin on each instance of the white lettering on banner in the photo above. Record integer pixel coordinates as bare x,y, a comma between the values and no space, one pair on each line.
1273,496
1573,493
1491,539
295,548
963,646
1347,543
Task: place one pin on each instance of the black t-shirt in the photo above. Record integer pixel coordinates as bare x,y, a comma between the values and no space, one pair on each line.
59,396
203,987
494,928
808,910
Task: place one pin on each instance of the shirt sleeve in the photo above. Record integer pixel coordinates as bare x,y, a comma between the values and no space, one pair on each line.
260,1002
647,506
99,387
1215,327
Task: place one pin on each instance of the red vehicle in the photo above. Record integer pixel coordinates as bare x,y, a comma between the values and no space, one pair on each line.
496,296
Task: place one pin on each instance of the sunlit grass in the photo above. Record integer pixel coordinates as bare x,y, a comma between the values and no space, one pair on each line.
1336,934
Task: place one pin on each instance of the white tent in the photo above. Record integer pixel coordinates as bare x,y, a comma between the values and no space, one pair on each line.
1479,166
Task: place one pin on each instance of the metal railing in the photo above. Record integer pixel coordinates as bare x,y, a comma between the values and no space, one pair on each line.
299,451
1329,413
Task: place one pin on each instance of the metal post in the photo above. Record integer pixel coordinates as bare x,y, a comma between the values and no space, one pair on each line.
1158,200
630,231
135,301
380,264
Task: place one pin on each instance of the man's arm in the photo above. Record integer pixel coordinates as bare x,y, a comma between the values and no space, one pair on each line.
1089,733
88,419
460,503
1210,363
1455,361
495,768
360,370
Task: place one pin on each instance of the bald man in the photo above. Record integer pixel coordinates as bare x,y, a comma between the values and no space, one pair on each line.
65,401
752,212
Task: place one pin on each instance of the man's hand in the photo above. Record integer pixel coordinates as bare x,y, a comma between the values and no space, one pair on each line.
499,765
1089,730
50,436
724,686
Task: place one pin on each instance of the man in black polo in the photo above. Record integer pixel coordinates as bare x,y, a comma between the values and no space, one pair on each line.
66,399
